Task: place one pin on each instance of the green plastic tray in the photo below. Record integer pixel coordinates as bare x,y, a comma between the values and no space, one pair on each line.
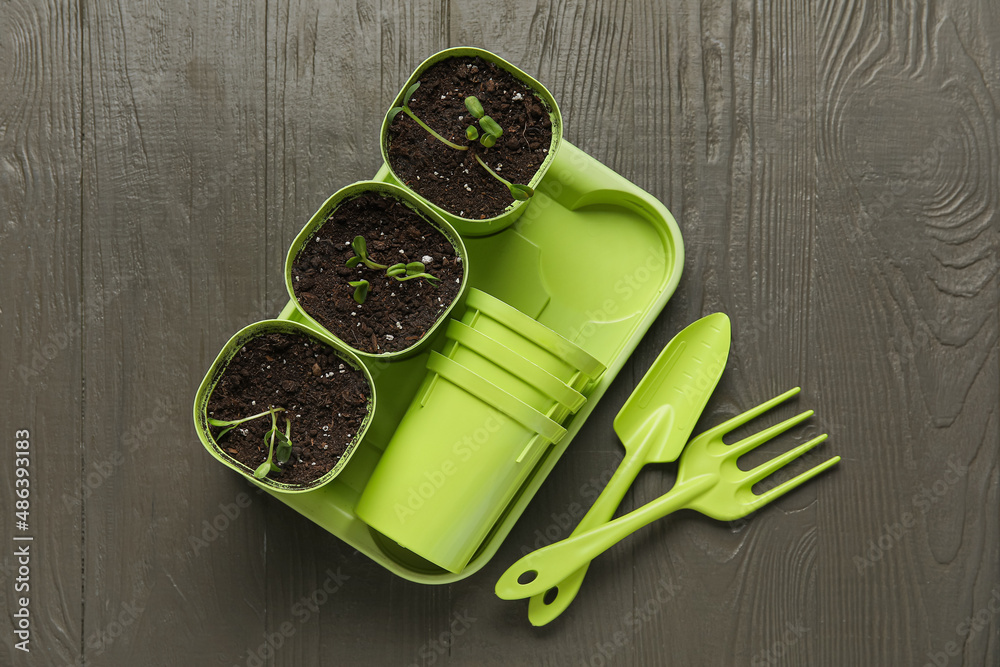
595,258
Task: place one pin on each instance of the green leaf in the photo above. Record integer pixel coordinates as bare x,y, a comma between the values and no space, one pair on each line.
359,246
409,93
284,449
431,280
491,126
471,133
353,261
360,290
262,470
474,106
520,192
224,431
393,112
488,140
218,422
395,270
414,267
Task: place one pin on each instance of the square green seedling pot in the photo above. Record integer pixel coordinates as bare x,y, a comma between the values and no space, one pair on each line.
218,369
581,211
416,204
470,226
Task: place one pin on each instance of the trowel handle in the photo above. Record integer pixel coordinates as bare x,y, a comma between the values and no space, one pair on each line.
611,497
541,612
540,570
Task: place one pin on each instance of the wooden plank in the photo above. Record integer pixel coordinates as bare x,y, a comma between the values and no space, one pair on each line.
173,229
743,122
332,71
905,318
40,324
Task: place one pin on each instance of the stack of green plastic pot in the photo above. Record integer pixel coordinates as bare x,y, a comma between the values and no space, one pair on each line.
490,405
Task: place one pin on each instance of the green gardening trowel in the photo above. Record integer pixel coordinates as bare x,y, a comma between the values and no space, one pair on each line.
654,425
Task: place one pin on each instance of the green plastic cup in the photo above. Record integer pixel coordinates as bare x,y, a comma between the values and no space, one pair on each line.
470,226
462,450
218,368
482,419
531,339
510,371
420,207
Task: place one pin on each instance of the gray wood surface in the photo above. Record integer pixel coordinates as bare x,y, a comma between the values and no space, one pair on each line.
834,168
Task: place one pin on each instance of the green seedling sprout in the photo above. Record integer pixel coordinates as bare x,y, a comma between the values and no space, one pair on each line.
284,440
405,108
517,191
410,271
491,131
400,271
228,426
360,290
284,451
360,249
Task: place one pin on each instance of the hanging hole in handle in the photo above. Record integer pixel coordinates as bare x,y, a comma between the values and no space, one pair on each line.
527,577
551,595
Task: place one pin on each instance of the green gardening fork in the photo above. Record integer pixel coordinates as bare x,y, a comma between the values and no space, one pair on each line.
708,481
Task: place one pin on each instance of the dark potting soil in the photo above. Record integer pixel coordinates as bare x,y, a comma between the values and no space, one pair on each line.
396,313
451,178
325,400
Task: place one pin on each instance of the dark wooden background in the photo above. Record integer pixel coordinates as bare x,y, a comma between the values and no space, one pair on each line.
834,168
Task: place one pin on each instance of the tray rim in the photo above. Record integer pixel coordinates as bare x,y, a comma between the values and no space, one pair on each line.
551,457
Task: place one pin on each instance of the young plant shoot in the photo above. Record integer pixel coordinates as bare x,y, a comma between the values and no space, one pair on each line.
517,191
282,454
284,440
360,249
360,290
228,426
400,271
488,133
405,108
491,129
410,271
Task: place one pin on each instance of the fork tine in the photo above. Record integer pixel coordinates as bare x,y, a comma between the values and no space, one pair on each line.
750,442
785,487
765,469
753,413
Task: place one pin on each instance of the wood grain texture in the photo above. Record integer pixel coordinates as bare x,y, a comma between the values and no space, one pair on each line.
41,307
908,209
834,170
173,236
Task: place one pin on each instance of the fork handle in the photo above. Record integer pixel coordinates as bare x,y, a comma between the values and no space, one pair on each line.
555,562
540,612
